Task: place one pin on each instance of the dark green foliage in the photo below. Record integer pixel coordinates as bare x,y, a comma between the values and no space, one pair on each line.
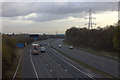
9,54
106,39
116,39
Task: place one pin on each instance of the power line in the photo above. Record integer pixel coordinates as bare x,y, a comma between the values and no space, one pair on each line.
90,23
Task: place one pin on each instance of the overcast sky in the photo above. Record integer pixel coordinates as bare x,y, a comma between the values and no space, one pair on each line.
49,17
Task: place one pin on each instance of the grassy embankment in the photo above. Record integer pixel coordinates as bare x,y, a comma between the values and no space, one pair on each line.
11,55
19,51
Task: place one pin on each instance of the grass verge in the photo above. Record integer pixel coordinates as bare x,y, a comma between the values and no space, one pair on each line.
10,73
20,53
100,72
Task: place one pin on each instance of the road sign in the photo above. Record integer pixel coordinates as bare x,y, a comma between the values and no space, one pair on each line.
35,38
20,45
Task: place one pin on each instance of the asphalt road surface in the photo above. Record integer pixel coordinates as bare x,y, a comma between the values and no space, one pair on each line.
52,65
107,65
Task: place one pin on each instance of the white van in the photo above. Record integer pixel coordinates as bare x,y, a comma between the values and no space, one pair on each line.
35,49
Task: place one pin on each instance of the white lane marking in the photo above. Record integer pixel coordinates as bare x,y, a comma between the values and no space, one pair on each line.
66,70
17,68
50,70
18,65
73,66
46,64
48,44
33,66
68,59
58,53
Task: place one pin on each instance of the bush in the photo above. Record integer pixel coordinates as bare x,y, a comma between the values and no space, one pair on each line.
106,39
8,54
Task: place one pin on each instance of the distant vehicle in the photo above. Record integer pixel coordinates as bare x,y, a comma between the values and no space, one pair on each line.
35,44
42,49
45,43
40,44
35,49
70,47
59,46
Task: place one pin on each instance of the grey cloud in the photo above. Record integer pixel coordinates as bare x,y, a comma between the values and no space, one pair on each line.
54,10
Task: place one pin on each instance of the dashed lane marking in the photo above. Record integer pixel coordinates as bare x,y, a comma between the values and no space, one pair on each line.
66,70
50,70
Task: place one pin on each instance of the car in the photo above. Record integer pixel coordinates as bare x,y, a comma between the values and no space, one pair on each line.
70,47
35,44
45,43
40,44
59,46
42,49
35,49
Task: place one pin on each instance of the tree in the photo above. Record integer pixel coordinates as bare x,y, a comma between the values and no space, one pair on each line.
104,39
116,39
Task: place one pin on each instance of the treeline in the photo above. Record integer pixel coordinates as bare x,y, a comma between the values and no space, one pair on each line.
9,55
106,39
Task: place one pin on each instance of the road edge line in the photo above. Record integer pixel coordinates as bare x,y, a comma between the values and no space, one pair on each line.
33,66
17,68
73,66
20,58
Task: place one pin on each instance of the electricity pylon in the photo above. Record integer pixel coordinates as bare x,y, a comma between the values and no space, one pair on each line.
56,33
90,23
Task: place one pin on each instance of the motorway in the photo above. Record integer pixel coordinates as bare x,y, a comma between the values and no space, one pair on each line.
102,63
52,65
